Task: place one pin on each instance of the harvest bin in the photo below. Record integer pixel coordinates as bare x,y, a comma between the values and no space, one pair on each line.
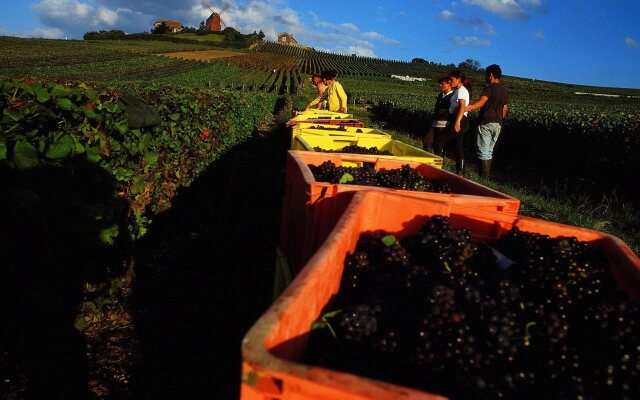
336,131
329,121
274,343
316,113
310,209
398,149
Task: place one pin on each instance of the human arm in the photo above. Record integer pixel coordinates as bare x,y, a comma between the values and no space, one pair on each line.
321,89
505,109
477,104
317,100
460,110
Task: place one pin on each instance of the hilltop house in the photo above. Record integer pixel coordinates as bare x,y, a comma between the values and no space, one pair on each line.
174,26
286,38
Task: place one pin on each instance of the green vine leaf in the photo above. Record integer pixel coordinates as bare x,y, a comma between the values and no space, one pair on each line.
61,148
25,155
447,267
346,178
138,184
93,153
122,174
323,322
3,151
42,94
65,104
59,91
389,240
109,235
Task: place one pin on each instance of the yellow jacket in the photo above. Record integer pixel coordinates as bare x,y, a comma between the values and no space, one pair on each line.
335,96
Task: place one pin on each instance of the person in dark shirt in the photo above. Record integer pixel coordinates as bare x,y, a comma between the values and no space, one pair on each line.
493,109
440,112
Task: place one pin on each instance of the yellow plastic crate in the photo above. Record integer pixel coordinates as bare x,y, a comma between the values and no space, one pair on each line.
336,131
400,150
324,114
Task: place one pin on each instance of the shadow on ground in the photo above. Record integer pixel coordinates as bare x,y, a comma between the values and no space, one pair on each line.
205,271
51,218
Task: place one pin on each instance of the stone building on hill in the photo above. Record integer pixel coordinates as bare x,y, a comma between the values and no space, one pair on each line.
286,38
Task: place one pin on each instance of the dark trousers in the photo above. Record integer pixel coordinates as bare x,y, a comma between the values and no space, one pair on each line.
444,136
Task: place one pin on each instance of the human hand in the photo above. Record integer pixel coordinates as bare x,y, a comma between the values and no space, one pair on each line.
456,127
468,108
343,109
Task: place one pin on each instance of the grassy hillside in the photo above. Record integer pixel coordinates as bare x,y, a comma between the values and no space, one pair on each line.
213,38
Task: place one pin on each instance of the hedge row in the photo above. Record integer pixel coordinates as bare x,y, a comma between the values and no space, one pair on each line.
67,125
237,44
594,150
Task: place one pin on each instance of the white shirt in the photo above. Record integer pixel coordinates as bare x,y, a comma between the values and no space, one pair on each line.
460,93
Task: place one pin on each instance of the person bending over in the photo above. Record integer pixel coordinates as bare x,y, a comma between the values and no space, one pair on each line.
334,94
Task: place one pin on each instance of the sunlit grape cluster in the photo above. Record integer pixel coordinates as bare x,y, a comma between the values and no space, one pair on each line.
526,317
404,178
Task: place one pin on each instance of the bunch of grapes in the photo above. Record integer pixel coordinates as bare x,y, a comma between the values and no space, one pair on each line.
404,178
325,128
355,149
527,317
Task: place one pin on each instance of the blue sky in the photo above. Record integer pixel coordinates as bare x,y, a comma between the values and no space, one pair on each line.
592,42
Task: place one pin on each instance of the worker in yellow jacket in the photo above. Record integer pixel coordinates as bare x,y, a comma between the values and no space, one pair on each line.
334,94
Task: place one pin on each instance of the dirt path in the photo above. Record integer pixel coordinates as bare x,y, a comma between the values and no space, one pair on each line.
204,55
203,275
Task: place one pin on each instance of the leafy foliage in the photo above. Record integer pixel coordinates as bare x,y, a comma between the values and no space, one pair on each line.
470,64
52,124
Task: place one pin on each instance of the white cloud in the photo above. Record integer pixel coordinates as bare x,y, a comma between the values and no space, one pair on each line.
510,9
40,33
46,33
391,42
538,35
470,41
372,35
363,51
62,9
446,14
255,15
349,27
107,16
476,24
631,42
380,37
73,18
343,27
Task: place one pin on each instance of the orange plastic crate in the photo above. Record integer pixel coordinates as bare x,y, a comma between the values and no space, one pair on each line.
272,346
310,208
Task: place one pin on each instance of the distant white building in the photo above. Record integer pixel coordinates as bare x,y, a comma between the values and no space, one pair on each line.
409,78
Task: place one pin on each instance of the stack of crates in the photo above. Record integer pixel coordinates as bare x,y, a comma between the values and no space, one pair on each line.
321,224
308,204
273,346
